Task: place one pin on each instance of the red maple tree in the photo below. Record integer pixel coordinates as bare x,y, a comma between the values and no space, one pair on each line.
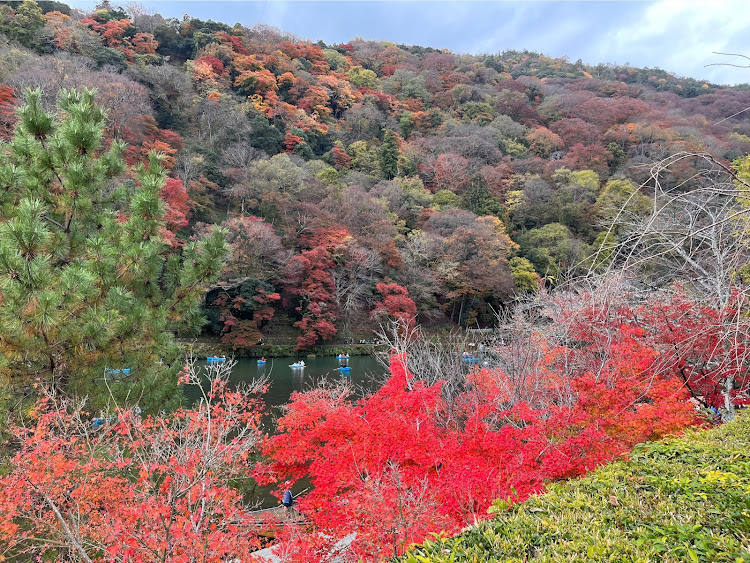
377,463
126,487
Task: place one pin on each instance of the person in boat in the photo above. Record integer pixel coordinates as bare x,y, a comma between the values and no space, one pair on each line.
263,359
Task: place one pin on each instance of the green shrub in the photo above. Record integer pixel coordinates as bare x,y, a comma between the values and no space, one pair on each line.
685,499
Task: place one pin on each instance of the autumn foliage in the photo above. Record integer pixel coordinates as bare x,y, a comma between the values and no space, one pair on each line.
311,281
8,103
127,487
396,304
414,459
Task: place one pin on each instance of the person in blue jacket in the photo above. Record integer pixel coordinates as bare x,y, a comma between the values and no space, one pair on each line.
288,500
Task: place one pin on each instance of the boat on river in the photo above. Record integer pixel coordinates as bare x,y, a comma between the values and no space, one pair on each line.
345,368
297,365
469,359
262,362
216,359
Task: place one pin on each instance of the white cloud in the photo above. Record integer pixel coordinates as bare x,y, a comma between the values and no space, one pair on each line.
681,36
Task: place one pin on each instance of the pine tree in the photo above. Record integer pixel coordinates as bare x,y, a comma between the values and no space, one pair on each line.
389,152
479,199
87,284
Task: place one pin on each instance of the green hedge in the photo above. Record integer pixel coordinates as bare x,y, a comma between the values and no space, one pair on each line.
685,499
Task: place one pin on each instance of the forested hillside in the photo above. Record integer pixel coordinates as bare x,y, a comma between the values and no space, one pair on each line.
357,181
166,177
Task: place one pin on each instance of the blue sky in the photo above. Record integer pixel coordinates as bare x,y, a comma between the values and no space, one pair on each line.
679,36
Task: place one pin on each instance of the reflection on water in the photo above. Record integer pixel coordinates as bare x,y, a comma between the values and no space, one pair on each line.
365,375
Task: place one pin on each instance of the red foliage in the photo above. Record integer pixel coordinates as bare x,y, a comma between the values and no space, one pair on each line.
448,172
118,34
704,345
396,303
581,157
242,332
176,204
573,131
544,142
131,488
291,141
144,43
406,461
145,136
233,41
309,277
8,117
216,65
340,158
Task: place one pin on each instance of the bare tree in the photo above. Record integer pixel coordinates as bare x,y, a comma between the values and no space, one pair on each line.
696,235
353,282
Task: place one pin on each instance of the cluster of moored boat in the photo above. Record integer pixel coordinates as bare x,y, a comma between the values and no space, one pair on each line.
296,365
341,358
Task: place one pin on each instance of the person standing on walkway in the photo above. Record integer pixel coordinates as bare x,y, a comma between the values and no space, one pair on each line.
288,500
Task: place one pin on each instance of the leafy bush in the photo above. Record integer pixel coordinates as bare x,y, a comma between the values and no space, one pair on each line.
686,499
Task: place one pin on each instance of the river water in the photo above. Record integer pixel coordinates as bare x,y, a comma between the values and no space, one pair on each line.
366,375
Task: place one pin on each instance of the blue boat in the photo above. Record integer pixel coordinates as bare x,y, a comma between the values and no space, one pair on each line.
261,362
98,421
114,371
216,360
344,368
469,359
298,365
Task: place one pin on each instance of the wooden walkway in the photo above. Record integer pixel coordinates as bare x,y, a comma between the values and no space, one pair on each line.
267,519
278,513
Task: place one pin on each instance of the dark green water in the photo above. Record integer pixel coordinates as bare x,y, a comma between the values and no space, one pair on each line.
366,375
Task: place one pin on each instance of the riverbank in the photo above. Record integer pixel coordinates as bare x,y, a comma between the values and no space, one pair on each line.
208,346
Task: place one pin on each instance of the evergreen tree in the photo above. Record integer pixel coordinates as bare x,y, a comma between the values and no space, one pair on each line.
389,152
479,199
87,284
21,22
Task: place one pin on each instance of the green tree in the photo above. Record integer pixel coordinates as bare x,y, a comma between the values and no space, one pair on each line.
618,155
364,157
389,153
479,199
406,124
524,275
444,199
362,77
265,137
21,23
551,249
87,282
622,197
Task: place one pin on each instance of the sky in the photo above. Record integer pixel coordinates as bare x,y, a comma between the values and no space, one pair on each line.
679,36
